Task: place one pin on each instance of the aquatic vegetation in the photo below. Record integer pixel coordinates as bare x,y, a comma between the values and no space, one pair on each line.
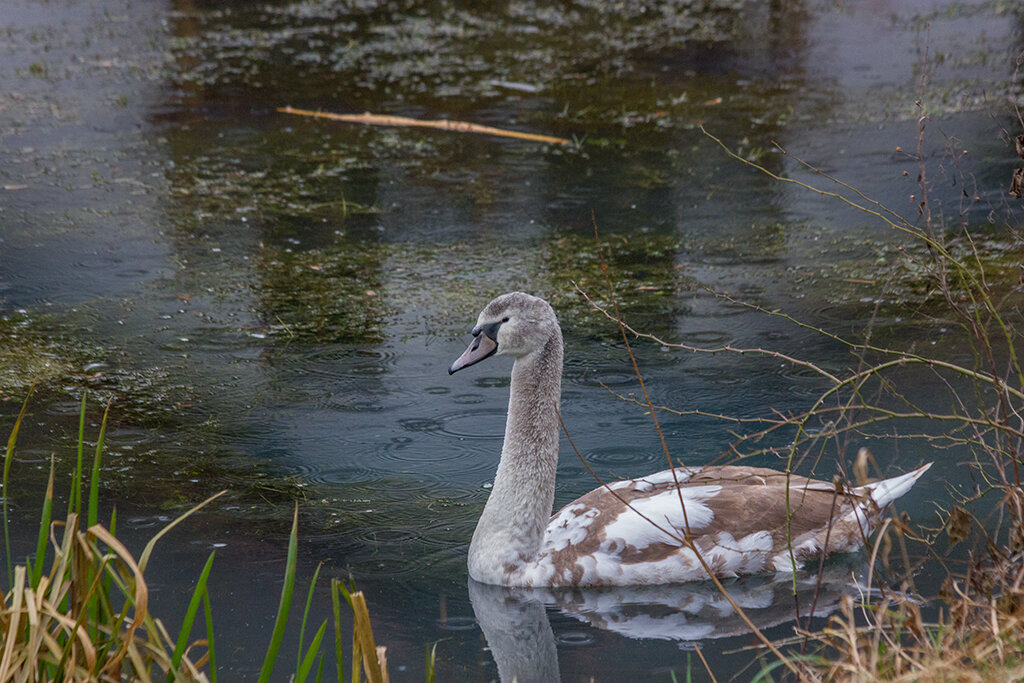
27,357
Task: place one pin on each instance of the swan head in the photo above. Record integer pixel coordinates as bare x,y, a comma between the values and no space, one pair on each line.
514,324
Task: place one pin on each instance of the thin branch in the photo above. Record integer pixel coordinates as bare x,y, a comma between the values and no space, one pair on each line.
443,124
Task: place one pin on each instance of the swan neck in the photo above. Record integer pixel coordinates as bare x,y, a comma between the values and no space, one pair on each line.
511,528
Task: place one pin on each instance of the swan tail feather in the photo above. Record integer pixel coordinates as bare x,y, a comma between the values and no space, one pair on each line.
886,491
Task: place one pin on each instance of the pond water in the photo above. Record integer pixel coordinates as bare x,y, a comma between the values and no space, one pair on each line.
272,301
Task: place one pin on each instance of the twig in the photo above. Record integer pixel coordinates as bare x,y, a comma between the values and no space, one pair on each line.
699,349
704,661
443,124
689,542
906,357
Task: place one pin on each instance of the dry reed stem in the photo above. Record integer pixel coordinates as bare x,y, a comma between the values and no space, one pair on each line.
365,651
47,632
704,661
687,540
443,124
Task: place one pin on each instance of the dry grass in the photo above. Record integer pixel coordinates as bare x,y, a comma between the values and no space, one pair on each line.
980,639
87,617
66,626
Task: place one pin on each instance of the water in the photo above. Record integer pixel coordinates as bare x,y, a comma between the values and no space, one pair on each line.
272,301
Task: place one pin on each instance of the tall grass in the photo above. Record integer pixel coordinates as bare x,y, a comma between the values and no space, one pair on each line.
81,611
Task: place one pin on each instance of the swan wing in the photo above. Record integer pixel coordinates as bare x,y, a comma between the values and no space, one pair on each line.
742,520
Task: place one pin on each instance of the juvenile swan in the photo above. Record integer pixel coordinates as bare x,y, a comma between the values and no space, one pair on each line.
736,515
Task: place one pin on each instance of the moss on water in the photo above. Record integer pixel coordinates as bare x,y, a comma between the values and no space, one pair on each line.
361,291
27,357
353,290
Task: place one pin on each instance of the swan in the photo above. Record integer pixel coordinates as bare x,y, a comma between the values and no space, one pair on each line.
634,532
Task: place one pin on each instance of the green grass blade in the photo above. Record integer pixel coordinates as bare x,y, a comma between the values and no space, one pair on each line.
93,606
286,601
339,646
94,481
8,458
431,662
305,614
44,531
75,499
210,649
151,545
108,581
320,670
314,650
190,615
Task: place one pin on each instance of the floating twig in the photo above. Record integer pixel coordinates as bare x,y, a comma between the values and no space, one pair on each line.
443,124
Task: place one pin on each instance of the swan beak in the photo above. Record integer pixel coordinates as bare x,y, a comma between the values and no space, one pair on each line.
482,347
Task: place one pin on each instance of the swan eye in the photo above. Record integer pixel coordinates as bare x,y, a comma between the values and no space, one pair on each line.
505,319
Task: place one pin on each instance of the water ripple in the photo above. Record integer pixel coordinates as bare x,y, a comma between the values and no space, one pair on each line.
575,639
707,338
457,623
386,537
480,423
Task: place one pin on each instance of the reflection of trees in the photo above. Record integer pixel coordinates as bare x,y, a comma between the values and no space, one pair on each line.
269,221
230,235
629,64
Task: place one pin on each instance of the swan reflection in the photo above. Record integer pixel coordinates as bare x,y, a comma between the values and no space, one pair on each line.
519,635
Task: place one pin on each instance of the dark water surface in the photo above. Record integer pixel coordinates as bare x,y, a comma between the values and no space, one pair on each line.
272,301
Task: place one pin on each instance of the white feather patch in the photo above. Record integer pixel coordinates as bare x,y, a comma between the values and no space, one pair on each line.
569,527
682,474
644,484
634,525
